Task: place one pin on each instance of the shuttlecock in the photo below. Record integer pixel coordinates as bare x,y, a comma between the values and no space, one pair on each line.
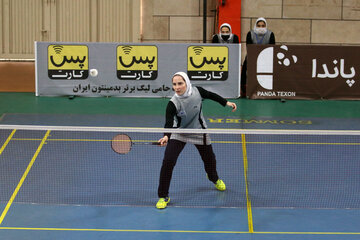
93,72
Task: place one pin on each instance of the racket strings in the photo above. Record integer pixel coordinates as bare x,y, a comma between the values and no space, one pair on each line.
121,144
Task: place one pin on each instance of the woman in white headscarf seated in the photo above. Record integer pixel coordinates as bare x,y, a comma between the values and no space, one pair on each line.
184,110
225,35
260,34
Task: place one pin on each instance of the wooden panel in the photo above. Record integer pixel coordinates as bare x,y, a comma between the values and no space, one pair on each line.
115,20
5,26
17,77
23,21
25,25
73,20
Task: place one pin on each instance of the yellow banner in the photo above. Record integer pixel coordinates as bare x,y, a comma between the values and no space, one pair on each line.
143,58
68,57
208,58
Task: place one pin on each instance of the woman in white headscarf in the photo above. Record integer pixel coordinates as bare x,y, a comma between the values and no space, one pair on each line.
260,34
184,110
225,35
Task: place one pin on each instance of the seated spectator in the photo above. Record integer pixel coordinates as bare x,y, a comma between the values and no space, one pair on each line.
225,35
259,35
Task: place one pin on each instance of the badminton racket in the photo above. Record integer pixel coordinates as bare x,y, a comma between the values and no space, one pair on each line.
122,143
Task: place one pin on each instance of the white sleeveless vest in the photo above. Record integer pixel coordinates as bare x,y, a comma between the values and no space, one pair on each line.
190,112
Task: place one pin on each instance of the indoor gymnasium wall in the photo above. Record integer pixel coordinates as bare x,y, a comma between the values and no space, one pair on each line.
314,22
24,21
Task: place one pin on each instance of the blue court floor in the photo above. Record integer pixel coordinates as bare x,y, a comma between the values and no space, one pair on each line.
71,185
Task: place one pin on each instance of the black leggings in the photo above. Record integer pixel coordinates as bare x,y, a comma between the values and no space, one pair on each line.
172,152
243,83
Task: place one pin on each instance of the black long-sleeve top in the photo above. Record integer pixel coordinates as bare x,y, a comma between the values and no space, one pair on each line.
215,39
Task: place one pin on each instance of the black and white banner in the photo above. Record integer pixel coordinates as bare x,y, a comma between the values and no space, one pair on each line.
303,72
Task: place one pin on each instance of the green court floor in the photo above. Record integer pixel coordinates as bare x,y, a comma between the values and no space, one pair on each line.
29,103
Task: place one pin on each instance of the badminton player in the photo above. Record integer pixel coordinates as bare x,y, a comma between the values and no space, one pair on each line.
184,111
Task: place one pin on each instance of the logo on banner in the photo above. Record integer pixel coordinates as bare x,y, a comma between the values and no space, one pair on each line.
208,63
137,62
265,65
265,70
68,62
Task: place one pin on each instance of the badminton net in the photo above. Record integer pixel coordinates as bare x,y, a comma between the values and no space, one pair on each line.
269,168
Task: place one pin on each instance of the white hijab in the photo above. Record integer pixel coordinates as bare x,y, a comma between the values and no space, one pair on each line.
188,91
225,25
260,31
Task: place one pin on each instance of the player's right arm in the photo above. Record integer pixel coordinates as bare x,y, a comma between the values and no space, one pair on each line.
169,122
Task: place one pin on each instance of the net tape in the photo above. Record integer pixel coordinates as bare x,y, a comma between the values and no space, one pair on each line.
182,130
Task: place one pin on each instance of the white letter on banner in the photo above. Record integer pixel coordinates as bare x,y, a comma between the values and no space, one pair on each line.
265,61
265,64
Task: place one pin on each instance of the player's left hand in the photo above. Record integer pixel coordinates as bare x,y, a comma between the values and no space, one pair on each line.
232,105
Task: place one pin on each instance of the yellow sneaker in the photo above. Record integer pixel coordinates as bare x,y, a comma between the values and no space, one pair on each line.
220,185
162,203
